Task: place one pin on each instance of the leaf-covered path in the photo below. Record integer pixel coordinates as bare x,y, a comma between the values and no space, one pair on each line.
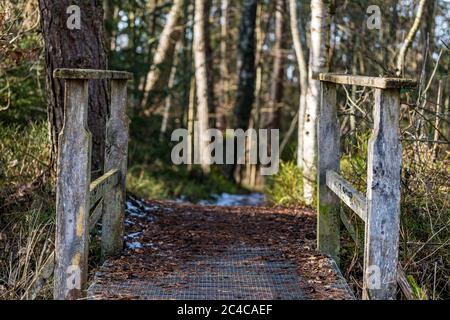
185,251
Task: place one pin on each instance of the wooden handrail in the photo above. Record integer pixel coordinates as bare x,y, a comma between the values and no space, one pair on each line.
364,81
348,194
75,194
380,207
91,74
99,187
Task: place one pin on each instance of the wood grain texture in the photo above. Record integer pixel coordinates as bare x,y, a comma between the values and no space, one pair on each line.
347,193
102,185
115,158
91,74
96,215
328,220
383,198
374,82
72,199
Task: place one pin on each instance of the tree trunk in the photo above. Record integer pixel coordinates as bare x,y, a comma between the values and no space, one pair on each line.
82,48
409,38
320,43
166,47
224,71
170,87
245,95
303,75
109,9
152,20
190,122
246,86
201,78
272,116
427,35
209,58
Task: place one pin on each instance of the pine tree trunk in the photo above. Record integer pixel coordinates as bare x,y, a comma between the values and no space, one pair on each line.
170,87
245,95
109,9
83,48
272,116
209,58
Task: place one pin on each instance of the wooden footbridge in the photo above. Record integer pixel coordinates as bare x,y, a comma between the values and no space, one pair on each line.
195,252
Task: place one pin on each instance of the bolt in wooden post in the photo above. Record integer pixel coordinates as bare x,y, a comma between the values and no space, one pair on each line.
115,158
72,194
383,199
328,220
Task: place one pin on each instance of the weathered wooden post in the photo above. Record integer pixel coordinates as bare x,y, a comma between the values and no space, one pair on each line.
115,157
328,207
75,194
72,200
383,198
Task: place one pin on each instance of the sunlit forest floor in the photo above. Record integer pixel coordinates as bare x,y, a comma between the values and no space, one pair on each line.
185,251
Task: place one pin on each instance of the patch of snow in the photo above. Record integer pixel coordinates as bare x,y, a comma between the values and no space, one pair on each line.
134,211
139,209
134,245
134,235
227,200
150,244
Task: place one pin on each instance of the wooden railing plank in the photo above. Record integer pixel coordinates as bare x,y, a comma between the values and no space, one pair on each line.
328,220
364,81
102,185
115,157
91,74
95,216
347,193
383,199
72,199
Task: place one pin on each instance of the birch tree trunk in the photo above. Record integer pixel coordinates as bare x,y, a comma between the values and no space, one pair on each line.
303,74
166,46
318,63
201,79
409,38
224,71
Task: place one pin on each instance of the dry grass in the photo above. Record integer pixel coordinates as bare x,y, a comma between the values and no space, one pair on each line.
26,208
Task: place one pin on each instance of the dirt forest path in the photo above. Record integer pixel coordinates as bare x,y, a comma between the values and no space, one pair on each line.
185,251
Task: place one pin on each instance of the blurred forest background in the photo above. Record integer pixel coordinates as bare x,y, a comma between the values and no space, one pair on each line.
235,64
